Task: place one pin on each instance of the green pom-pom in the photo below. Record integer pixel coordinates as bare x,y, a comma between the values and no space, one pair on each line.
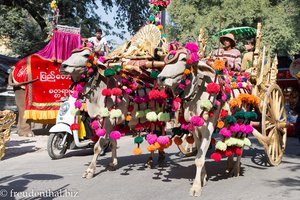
140,114
163,35
247,142
240,114
165,117
154,74
228,96
230,119
218,72
104,112
176,131
151,116
250,116
151,18
109,72
117,68
206,104
138,140
233,79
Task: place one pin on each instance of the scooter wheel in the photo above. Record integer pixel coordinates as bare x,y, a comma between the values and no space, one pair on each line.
56,151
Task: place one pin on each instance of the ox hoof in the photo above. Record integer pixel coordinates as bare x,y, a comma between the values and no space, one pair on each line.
112,167
149,164
88,174
195,191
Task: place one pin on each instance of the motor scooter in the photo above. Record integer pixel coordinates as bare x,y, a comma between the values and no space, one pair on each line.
62,137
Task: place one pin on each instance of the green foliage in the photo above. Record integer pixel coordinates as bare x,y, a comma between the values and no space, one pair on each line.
279,19
27,23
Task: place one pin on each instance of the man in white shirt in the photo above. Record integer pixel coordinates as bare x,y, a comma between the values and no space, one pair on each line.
100,43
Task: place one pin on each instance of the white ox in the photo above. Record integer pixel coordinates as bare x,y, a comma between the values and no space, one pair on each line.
202,74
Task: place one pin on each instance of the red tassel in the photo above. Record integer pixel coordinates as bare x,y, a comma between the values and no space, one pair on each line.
75,127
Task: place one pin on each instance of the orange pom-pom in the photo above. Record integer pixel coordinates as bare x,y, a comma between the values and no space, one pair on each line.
177,140
234,85
218,64
169,143
220,124
190,139
89,64
128,118
95,62
234,102
157,145
187,71
151,148
137,151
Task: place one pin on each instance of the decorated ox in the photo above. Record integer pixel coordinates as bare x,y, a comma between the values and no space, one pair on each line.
96,101
171,77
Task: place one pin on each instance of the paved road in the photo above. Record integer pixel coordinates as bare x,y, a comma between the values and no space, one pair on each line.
27,172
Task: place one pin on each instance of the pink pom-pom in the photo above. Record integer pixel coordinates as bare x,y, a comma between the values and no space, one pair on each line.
216,156
197,121
100,132
243,128
116,91
78,104
118,100
223,97
195,57
95,125
225,132
82,75
213,88
235,128
187,81
154,94
151,138
181,86
79,88
218,103
89,45
248,129
192,47
106,92
175,105
75,94
128,91
240,84
91,70
163,140
102,59
173,52
115,135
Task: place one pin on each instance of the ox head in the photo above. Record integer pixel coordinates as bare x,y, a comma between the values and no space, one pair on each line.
173,72
75,64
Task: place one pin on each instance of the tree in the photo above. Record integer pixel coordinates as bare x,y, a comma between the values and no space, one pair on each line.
34,15
278,17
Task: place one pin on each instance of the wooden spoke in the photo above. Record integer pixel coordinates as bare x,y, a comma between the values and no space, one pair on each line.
187,149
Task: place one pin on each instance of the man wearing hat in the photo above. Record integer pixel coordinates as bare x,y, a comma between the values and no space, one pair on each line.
228,53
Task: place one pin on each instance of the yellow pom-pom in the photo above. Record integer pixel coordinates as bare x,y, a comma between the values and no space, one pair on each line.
177,140
151,148
137,151
298,75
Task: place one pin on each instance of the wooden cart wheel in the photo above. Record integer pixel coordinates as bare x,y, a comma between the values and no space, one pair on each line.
274,124
185,148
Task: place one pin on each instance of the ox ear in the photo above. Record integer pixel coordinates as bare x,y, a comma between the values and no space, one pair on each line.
205,70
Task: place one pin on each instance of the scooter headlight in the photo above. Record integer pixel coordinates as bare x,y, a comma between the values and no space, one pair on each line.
64,108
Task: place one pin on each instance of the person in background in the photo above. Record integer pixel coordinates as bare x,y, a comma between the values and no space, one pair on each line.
228,53
247,60
100,43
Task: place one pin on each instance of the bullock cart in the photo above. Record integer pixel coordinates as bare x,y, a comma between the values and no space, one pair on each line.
270,129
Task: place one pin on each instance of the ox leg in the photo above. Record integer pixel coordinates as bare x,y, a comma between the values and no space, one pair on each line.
236,167
161,157
149,162
89,173
230,164
203,176
114,163
200,161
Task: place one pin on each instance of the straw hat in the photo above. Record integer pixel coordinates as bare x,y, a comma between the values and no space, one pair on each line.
229,36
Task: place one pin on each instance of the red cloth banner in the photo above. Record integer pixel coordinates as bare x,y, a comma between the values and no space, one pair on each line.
44,95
